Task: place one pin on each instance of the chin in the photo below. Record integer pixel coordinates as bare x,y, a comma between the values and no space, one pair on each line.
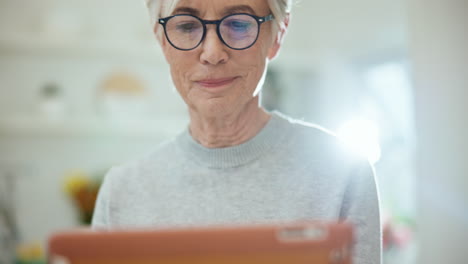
216,107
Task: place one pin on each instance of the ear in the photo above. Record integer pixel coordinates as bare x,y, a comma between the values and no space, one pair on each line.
274,49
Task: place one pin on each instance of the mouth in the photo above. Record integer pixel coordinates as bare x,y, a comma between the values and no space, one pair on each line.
216,83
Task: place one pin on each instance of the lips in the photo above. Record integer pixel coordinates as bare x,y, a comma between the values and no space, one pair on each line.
214,83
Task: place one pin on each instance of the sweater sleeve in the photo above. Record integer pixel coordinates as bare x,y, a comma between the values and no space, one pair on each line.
361,208
102,207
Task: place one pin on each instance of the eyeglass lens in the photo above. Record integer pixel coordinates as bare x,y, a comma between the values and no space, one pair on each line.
237,31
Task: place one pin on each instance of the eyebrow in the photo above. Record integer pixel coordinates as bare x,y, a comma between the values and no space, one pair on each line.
239,9
227,11
186,10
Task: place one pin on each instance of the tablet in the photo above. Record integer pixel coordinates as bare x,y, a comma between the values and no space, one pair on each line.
299,243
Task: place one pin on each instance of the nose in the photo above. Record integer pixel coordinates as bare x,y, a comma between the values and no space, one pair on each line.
213,49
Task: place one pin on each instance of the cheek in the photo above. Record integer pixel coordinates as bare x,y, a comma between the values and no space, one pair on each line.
254,65
255,70
175,60
179,67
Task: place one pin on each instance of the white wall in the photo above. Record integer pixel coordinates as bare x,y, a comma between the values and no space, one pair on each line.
439,49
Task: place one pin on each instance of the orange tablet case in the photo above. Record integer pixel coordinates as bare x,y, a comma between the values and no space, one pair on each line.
305,243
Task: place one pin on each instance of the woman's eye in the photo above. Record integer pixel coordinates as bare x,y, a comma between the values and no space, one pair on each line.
187,27
239,25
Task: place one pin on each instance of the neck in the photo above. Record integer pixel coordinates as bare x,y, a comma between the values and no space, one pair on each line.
229,129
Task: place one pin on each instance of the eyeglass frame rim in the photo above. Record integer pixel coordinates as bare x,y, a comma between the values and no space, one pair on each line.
260,21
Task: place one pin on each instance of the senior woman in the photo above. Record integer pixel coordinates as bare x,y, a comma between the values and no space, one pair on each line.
237,163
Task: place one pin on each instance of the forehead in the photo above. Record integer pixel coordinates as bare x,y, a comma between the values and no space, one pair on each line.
223,7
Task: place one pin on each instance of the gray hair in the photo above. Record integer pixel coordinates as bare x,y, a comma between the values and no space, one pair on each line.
163,8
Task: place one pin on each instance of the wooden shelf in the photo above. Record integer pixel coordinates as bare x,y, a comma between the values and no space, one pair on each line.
31,126
108,49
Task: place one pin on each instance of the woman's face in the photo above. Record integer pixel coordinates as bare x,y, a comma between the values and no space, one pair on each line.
213,79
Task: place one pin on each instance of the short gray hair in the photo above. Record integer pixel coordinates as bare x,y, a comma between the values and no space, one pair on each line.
163,8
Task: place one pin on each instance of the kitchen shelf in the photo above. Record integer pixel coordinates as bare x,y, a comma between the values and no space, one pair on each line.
93,126
107,49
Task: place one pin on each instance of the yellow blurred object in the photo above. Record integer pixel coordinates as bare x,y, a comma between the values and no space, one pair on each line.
76,181
30,252
123,83
83,189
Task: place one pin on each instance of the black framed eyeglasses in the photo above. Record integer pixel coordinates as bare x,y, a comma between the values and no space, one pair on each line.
237,31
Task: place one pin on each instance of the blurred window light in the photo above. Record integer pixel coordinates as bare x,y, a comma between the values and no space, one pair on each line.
362,137
390,83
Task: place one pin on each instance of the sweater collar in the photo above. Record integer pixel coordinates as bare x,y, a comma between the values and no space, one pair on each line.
262,143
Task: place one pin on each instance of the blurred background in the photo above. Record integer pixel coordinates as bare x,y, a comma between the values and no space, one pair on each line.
84,86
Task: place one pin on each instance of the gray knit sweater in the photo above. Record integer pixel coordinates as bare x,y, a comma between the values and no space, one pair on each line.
289,171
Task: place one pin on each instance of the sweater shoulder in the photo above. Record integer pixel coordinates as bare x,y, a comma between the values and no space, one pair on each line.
311,134
146,164
314,140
